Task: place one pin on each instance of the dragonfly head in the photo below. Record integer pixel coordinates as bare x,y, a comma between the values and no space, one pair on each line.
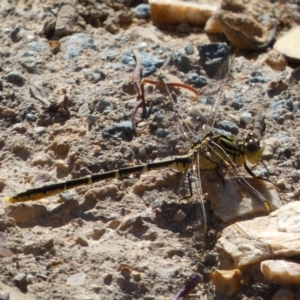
254,149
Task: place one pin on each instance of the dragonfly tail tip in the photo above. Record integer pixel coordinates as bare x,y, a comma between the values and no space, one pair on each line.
9,200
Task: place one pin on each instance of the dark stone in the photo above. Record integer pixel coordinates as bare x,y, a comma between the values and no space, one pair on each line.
14,34
197,80
20,281
122,130
149,62
259,79
237,102
212,57
181,61
162,133
15,78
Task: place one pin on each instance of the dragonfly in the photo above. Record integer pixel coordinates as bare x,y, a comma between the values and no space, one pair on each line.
213,152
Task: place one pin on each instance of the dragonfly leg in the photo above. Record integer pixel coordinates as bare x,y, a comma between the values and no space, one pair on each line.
250,172
217,170
190,185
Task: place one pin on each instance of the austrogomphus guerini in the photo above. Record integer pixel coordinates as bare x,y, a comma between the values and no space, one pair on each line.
214,151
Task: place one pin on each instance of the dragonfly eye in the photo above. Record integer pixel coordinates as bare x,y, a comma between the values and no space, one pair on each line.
252,142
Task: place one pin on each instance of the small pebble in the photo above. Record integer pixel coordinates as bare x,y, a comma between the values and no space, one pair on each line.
98,232
91,119
76,279
162,133
189,49
102,105
31,117
181,61
76,43
82,242
15,34
20,281
4,296
40,129
197,80
228,126
39,46
142,11
84,110
246,118
149,62
237,102
259,79
118,130
179,216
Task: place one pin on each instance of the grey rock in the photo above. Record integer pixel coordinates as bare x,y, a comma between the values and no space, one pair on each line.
31,61
149,62
229,126
246,118
94,76
237,102
4,296
66,196
142,11
158,117
210,259
284,104
259,79
15,34
102,105
119,130
39,46
92,119
181,61
40,129
31,117
77,43
21,281
189,49
84,110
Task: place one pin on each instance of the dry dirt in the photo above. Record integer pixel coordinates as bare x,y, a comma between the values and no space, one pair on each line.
133,238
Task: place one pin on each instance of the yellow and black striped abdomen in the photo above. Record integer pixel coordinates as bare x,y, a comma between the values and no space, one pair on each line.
180,163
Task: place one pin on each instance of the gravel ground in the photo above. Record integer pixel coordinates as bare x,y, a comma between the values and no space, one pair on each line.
67,93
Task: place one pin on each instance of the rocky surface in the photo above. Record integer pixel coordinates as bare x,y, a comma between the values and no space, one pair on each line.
66,98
